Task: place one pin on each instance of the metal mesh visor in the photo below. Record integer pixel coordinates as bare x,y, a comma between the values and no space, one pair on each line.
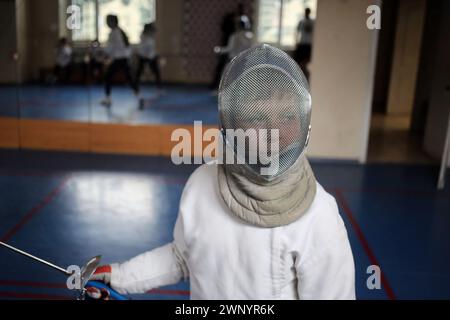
264,111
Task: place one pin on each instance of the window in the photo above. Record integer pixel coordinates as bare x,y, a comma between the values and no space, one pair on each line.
87,30
132,14
278,20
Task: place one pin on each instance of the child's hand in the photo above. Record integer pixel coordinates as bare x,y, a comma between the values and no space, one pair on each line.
97,294
103,274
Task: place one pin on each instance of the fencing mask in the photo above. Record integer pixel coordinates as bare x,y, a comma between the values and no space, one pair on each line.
265,113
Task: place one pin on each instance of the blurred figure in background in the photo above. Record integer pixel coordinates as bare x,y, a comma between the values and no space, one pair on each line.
228,27
241,40
305,30
63,61
148,56
118,51
94,61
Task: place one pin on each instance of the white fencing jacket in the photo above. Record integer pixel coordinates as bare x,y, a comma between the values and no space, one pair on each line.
147,47
63,56
226,258
238,42
116,47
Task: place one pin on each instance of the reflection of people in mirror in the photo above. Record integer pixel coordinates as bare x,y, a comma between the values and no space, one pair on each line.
118,51
63,61
94,60
228,27
241,40
305,30
147,55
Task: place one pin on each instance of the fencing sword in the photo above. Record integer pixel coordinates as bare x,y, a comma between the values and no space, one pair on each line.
86,271
36,258
85,274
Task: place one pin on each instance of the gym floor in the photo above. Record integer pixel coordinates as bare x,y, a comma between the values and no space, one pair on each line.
82,103
68,207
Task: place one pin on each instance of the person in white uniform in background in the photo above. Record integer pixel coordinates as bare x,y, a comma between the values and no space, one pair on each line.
305,32
249,230
94,61
305,29
148,56
118,51
241,40
63,60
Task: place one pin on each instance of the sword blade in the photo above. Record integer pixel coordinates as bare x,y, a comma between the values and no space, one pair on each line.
35,258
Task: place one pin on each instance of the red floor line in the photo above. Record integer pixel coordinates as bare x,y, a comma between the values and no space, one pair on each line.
30,173
30,214
365,244
170,292
27,295
33,284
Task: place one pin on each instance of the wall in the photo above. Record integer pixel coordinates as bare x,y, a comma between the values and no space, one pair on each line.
408,39
202,31
43,33
37,35
439,94
427,65
342,73
169,22
384,56
188,32
23,48
8,41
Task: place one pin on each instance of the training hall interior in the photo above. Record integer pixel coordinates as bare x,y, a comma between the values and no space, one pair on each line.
85,150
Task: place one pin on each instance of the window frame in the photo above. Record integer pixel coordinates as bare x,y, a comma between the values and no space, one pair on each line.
278,43
67,33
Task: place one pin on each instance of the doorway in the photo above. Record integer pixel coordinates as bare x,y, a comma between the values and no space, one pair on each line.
400,96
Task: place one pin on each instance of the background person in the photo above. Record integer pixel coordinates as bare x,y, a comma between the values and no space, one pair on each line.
118,51
305,31
241,40
147,55
63,61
